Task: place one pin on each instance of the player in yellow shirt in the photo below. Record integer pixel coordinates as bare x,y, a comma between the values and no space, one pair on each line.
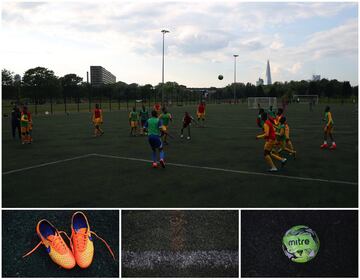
270,137
133,121
25,120
283,138
328,130
165,118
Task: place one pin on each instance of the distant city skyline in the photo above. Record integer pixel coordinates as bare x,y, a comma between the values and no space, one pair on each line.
299,39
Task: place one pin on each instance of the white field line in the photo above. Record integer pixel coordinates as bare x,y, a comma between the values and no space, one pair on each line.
236,171
45,164
189,166
180,259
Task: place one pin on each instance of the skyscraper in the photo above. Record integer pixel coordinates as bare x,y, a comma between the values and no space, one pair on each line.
268,73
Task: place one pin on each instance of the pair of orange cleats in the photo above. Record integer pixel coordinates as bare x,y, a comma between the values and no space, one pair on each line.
81,243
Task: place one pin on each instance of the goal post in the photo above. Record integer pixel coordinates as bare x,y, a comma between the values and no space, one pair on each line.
306,98
262,102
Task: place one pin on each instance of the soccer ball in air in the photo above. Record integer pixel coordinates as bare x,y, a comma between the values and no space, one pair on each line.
220,77
300,244
46,113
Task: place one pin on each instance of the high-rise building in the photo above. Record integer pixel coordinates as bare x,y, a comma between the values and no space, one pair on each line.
268,73
260,82
99,76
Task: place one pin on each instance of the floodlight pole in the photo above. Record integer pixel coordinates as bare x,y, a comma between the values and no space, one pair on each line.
235,56
163,57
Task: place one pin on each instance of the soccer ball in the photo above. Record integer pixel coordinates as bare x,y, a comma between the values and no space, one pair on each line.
220,77
46,113
300,244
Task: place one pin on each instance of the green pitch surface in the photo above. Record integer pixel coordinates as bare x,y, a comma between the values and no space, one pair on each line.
221,166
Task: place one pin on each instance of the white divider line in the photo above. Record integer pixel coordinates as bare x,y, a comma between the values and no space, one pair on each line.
187,166
46,164
180,259
237,171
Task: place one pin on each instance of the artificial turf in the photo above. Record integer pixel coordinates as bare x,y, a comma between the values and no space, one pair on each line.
226,142
190,243
261,243
19,237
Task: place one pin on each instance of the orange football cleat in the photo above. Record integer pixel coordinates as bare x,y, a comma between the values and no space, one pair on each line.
82,241
55,245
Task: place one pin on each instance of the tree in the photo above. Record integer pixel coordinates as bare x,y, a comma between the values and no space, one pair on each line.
7,78
346,90
40,83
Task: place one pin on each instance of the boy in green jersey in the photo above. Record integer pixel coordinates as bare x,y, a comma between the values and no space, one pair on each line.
154,127
144,116
166,118
133,121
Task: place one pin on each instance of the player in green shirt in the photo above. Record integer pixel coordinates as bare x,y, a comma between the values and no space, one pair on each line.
144,116
166,118
154,127
271,113
133,121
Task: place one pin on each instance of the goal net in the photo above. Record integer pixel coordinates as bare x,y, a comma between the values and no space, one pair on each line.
262,102
306,99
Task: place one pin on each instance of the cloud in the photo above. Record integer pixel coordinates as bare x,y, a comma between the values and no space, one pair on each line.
340,40
200,32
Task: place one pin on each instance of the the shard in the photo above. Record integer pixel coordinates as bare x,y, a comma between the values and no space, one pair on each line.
268,73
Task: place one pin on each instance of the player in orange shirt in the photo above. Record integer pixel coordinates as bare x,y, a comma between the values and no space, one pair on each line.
97,119
270,137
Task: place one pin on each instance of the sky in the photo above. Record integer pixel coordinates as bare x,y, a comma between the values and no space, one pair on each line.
299,39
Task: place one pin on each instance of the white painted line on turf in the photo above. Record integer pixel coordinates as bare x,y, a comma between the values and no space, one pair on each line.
45,164
180,259
236,171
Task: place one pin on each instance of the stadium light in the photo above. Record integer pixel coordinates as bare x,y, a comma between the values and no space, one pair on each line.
163,55
235,56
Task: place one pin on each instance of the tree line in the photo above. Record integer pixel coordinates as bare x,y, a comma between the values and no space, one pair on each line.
39,85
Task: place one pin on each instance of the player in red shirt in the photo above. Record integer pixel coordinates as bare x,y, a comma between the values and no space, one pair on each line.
186,124
157,108
97,119
270,137
201,112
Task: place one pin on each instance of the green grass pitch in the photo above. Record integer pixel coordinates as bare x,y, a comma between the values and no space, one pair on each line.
222,165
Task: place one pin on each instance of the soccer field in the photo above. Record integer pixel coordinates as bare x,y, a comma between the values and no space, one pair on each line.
221,166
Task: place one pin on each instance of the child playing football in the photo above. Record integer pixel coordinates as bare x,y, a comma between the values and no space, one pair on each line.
186,124
97,120
328,130
259,120
201,113
133,121
283,137
144,115
166,118
157,108
25,120
154,126
269,136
